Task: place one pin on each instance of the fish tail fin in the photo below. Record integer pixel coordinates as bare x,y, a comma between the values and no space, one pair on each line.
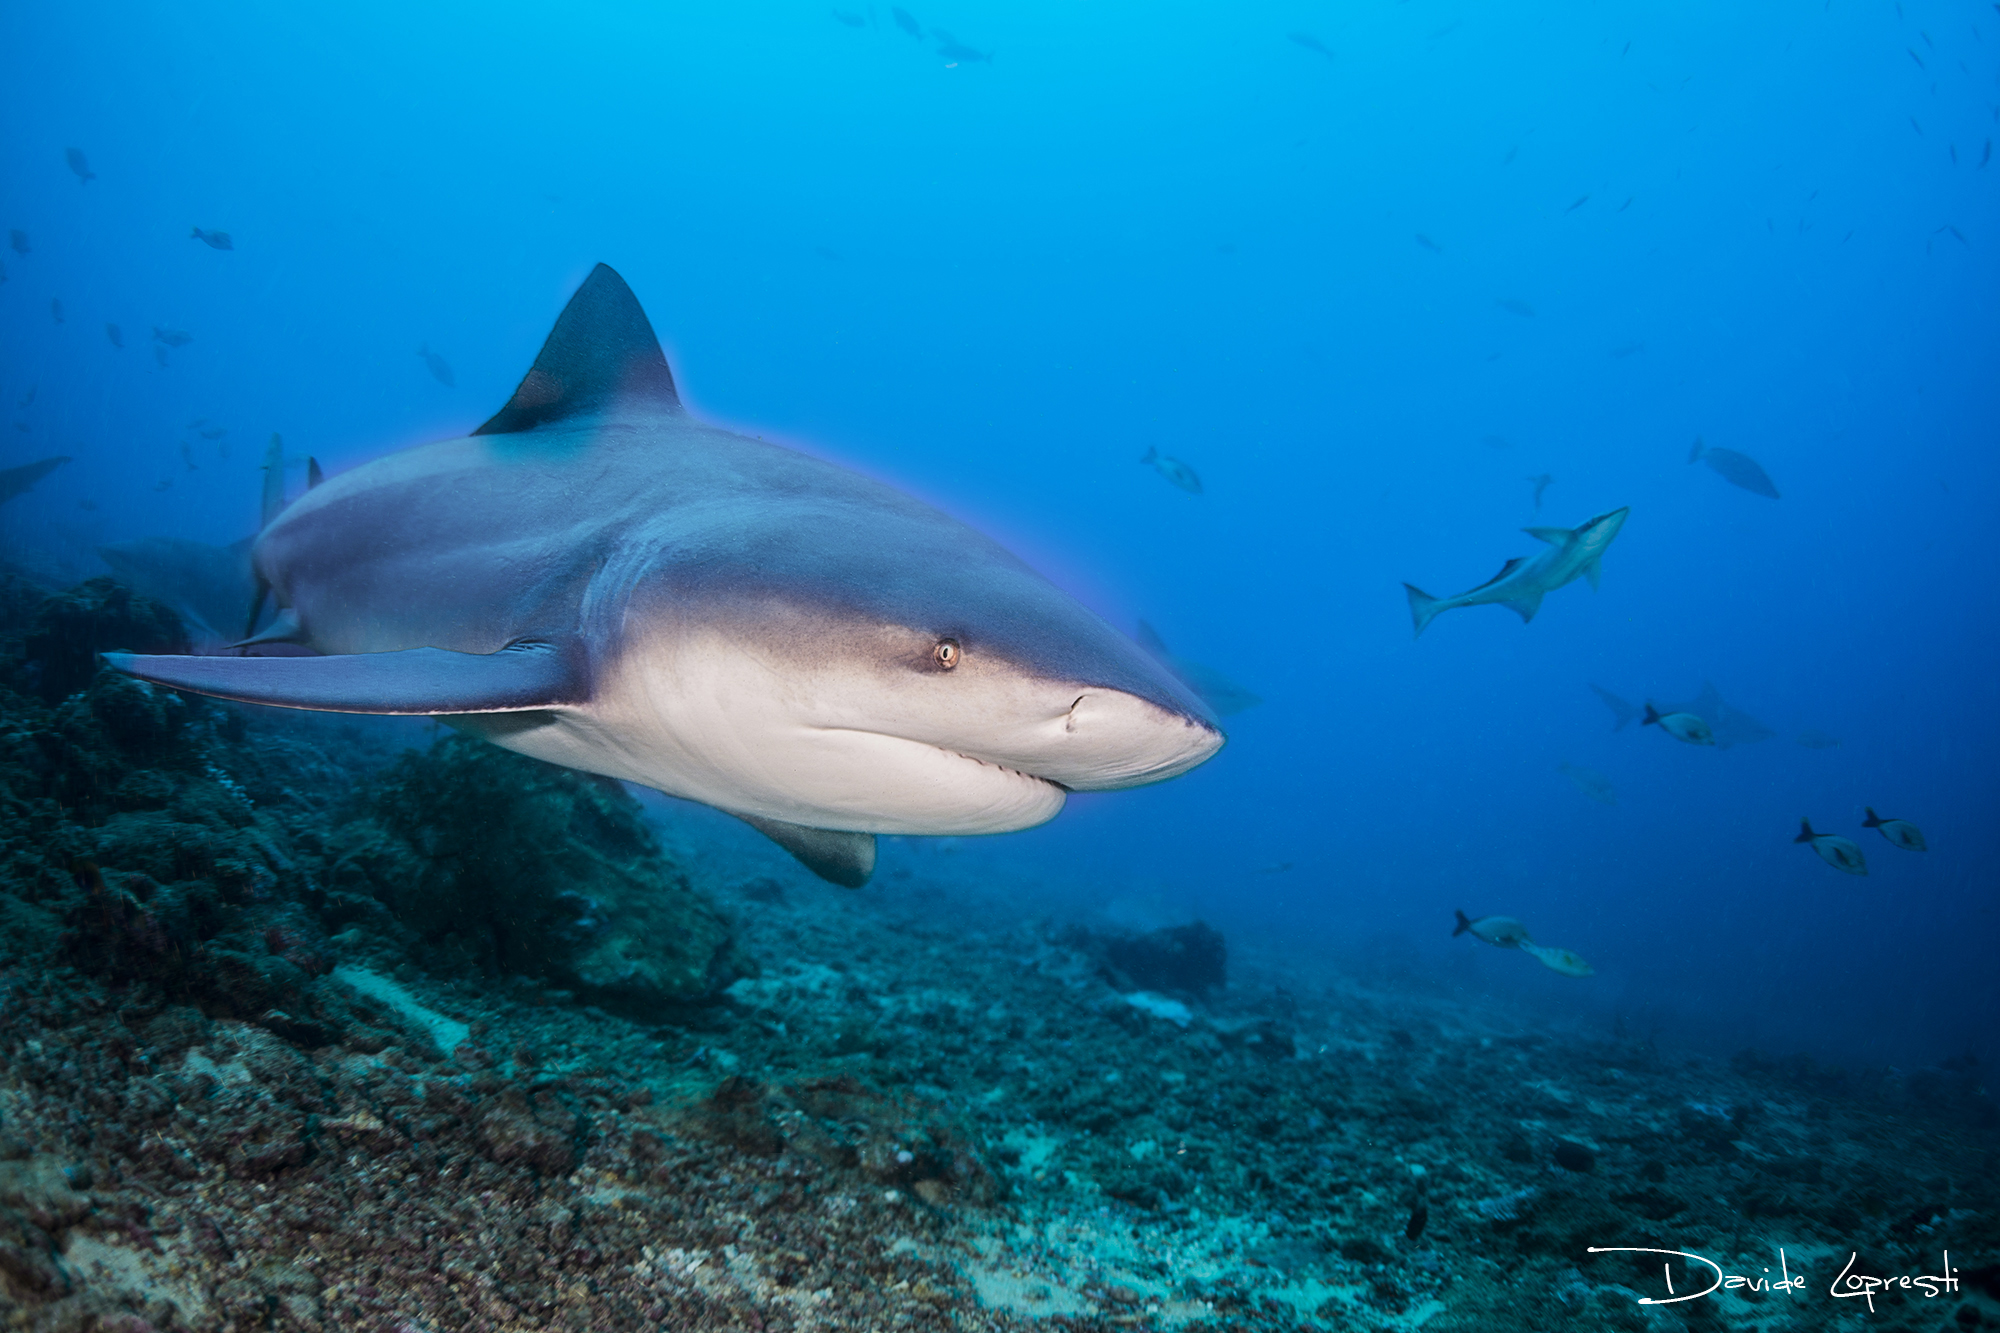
1423,606
1806,833
1151,456
1873,821
194,233
1462,926
1694,454
1652,715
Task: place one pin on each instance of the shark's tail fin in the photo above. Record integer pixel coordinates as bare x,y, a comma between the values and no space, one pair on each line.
1152,455
1873,820
1694,454
1806,833
1463,926
1652,715
1423,606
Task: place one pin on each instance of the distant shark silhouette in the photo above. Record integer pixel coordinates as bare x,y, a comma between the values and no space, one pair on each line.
1218,691
1731,725
20,480
595,578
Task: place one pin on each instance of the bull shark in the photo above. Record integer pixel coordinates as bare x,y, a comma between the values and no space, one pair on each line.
595,578
1523,582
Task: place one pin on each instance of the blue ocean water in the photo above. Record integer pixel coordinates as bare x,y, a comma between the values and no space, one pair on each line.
1368,270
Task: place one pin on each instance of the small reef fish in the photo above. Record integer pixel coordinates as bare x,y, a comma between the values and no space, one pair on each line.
1833,849
19,480
1429,244
1736,469
117,338
1310,43
1503,931
1514,306
439,368
1591,783
1681,726
1179,473
55,309
1557,960
215,433
214,240
1522,582
1507,933
1729,724
1901,832
171,337
18,239
80,165
1814,739
1541,483
851,20
907,23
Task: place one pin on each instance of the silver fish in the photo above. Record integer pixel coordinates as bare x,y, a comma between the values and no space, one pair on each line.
214,240
1557,960
1901,832
1687,727
1503,931
1736,469
1522,582
1833,849
1179,473
439,368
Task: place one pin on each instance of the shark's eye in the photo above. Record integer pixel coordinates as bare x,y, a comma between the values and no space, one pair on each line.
946,654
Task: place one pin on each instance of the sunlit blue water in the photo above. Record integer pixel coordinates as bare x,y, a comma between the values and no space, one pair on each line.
1366,268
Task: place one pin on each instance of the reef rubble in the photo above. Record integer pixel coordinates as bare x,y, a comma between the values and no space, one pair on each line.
327,1024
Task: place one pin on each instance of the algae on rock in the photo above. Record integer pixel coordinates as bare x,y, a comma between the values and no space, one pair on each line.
512,865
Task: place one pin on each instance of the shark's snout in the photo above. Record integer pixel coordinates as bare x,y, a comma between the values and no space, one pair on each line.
1110,739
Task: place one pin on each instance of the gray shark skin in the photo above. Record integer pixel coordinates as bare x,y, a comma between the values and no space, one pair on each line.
1522,582
595,578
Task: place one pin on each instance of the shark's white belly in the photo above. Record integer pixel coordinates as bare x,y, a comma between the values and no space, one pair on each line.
714,727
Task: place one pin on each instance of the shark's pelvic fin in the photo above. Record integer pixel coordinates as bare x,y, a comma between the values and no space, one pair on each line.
602,351
1525,605
313,474
1553,536
846,859
284,628
1594,571
415,682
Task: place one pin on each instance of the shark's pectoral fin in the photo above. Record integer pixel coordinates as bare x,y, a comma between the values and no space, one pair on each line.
1594,571
418,681
1525,605
846,859
1553,536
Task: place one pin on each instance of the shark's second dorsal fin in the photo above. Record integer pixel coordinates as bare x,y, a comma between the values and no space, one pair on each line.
601,351
1553,536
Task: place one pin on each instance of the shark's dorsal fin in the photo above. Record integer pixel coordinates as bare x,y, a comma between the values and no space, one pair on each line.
1553,536
1505,570
602,351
